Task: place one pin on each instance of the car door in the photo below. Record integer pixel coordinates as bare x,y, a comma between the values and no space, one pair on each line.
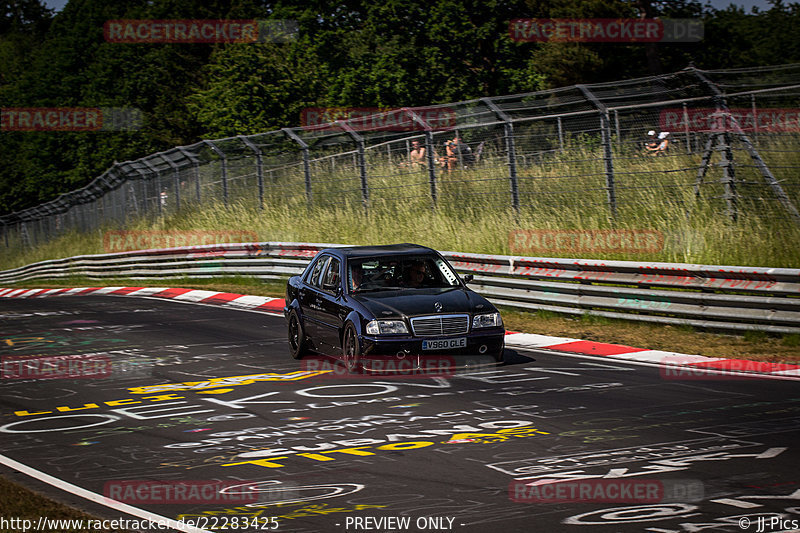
309,297
332,308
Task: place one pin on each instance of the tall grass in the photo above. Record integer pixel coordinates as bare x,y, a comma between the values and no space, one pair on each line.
563,191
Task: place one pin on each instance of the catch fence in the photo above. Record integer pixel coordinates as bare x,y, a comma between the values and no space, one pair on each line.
734,148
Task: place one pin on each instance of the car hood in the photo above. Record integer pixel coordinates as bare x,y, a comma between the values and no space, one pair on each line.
416,302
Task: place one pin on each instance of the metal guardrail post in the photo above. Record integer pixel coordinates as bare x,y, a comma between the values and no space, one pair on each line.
428,152
605,139
511,153
259,169
306,164
224,158
362,162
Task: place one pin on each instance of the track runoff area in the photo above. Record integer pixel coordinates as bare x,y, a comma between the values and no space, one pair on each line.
157,414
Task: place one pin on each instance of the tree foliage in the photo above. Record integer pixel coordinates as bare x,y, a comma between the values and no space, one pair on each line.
350,53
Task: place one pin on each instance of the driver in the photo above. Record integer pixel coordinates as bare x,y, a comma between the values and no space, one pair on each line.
416,274
356,275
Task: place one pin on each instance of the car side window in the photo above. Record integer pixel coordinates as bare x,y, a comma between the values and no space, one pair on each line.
316,272
330,280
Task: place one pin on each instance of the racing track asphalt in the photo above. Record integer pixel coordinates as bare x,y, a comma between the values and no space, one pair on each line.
647,449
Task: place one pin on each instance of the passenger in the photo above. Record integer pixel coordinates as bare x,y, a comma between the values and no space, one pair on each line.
356,276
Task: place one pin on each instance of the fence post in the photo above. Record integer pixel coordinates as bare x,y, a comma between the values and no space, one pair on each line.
605,139
686,128
722,107
728,174
362,163
24,235
176,173
428,152
306,165
157,182
224,158
511,153
259,169
704,162
196,163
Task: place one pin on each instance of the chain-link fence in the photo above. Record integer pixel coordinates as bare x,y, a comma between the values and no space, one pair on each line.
733,147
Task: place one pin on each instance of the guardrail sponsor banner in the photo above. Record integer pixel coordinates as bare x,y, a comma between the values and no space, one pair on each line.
602,30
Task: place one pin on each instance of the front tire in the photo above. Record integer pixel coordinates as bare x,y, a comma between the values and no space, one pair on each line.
298,346
351,349
498,357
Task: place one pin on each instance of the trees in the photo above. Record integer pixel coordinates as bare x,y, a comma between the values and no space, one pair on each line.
350,53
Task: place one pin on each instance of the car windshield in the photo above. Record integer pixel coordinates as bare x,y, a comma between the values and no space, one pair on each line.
399,272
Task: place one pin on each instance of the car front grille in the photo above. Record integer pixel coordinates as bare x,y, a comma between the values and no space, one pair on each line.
427,326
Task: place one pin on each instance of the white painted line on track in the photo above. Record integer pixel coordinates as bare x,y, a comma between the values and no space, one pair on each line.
97,498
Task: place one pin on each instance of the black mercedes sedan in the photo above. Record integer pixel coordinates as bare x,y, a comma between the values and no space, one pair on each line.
367,304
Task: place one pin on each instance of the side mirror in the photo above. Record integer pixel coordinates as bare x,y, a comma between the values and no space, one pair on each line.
468,278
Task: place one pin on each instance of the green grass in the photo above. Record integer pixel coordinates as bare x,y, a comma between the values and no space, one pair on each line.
562,191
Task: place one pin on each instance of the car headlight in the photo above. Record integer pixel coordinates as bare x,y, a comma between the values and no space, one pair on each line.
487,320
386,327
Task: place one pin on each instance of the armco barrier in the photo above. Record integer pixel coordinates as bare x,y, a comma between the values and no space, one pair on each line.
726,297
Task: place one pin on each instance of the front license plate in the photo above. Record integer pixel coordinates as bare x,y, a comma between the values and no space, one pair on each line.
444,344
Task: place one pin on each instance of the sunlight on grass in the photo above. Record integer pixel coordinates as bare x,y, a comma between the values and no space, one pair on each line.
559,191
